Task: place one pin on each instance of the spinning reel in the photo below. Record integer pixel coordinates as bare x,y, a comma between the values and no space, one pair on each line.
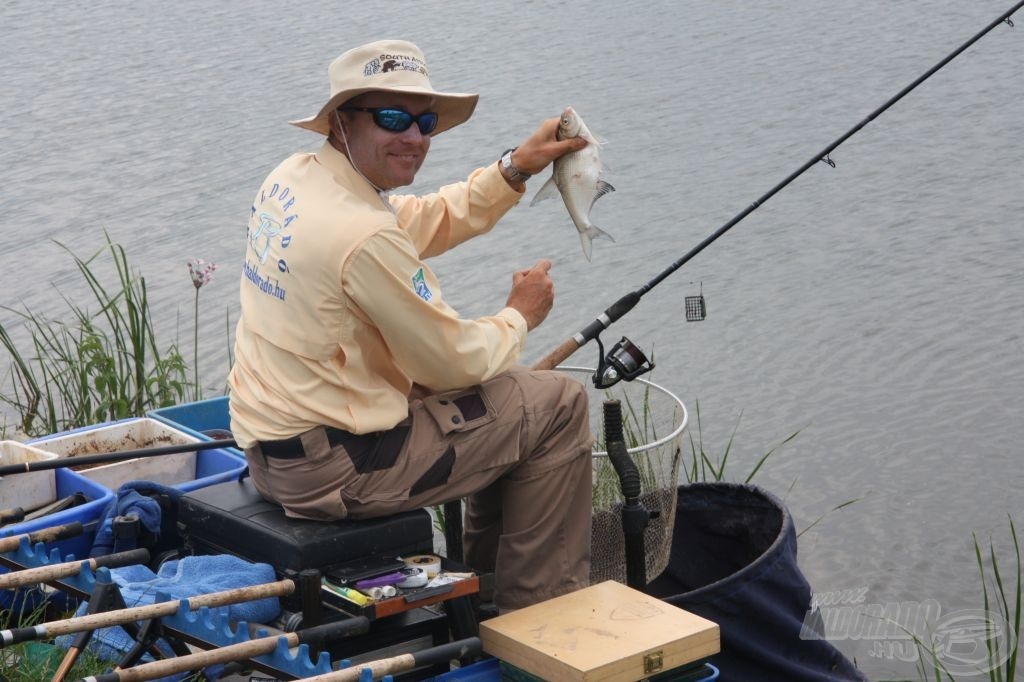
624,361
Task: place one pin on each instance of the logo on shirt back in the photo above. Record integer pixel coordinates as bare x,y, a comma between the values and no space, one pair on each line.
419,285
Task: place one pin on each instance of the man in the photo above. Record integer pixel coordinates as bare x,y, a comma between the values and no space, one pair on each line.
342,324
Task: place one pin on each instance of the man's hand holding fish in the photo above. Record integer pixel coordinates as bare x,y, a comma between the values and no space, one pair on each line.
538,151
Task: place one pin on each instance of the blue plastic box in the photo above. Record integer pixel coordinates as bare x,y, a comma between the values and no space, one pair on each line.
205,419
210,466
78,547
208,420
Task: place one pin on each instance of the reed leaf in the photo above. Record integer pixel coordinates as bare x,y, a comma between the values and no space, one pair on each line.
103,364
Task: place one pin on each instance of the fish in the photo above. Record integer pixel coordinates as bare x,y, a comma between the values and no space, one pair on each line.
576,176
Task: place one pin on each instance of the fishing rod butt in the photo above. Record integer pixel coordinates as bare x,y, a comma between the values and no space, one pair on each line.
555,357
471,646
327,632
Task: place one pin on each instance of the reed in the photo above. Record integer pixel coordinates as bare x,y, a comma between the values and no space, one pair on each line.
104,364
35,661
1001,668
1001,606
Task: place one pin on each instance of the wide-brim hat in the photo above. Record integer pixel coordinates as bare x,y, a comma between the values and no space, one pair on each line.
388,66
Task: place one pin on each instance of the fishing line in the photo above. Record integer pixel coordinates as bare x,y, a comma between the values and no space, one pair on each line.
627,302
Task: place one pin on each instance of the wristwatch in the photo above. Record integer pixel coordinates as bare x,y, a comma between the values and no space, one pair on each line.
514,174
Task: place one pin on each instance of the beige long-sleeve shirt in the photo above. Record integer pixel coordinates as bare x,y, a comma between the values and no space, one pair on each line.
339,313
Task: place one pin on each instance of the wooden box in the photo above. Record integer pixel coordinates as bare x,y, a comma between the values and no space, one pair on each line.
606,632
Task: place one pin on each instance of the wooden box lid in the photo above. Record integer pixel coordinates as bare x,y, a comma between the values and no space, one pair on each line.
606,632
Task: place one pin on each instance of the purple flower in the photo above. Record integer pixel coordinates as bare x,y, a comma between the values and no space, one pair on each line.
201,274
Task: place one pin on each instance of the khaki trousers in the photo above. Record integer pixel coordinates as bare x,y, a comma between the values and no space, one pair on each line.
517,447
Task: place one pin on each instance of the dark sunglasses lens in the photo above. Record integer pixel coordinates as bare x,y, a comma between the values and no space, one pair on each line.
393,119
427,122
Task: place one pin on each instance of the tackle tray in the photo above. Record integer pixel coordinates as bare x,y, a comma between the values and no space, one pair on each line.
410,598
232,518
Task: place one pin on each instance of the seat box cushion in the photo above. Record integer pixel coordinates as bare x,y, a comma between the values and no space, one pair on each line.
232,518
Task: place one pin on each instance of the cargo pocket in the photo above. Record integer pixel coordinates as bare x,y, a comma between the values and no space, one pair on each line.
375,458
460,411
479,440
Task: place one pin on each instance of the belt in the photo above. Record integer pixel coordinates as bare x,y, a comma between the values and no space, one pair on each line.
292,448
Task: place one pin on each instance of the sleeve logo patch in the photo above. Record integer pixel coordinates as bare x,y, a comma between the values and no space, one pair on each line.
419,285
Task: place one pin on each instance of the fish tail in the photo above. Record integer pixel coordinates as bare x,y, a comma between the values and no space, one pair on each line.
596,232
588,235
585,239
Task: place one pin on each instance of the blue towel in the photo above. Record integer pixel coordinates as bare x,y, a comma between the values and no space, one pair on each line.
194,575
129,500
181,579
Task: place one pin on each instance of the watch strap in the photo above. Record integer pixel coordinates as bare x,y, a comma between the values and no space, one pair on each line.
514,174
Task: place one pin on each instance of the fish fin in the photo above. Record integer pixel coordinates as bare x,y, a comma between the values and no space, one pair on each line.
596,232
602,189
588,235
585,239
547,190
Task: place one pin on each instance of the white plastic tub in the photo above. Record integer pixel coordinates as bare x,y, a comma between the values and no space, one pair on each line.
28,491
132,434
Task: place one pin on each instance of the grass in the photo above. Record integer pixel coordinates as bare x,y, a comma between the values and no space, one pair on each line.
1001,604
35,661
1001,669
703,468
104,364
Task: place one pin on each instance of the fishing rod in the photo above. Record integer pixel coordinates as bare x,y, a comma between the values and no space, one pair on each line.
95,621
43,535
239,651
625,360
441,653
104,458
66,569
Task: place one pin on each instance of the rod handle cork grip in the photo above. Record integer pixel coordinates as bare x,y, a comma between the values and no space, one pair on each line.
239,651
47,572
68,530
555,357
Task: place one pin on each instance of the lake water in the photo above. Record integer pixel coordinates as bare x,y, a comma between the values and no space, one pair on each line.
877,306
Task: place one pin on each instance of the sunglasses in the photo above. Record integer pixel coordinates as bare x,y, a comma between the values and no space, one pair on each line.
397,121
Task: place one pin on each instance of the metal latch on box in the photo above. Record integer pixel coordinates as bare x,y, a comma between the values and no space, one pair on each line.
653,662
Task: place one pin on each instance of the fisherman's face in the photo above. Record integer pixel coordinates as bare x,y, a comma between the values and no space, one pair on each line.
388,159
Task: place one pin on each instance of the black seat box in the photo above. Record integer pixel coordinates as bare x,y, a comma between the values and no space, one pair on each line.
232,518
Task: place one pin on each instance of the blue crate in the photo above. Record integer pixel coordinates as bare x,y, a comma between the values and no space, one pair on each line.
75,548
211,466
205,419
484,671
